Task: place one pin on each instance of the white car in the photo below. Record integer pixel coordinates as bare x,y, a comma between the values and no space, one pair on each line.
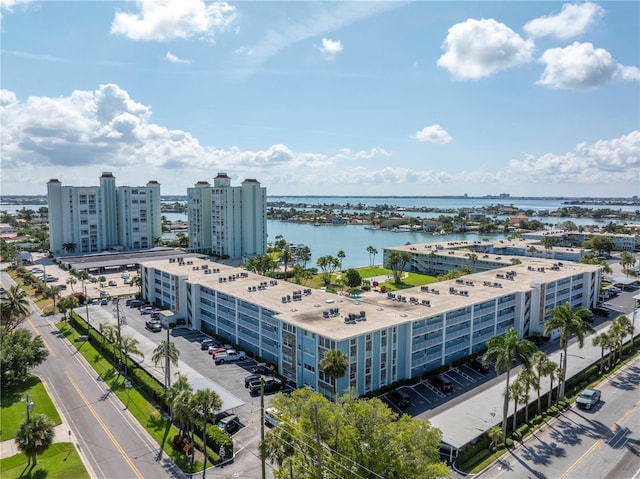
271,417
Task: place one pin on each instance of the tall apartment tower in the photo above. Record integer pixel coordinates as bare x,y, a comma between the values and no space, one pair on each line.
227,221
91,219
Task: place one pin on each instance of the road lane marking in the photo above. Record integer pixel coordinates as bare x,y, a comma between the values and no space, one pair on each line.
602,439
35,330
104,427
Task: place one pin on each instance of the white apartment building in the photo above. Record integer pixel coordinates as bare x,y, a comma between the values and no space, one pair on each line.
227,221
104,217
386,337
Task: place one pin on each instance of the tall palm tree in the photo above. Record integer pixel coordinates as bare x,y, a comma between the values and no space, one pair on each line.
605,341
52,292
553,374
542,366
68,247
334,366
14,308
397,260
205,404
474,259
570,322
372,254
494,434
167,352
71,281
620,328
285,257
34,436
504,349
129,346
341,255
137,281
178,398
516,393
83,275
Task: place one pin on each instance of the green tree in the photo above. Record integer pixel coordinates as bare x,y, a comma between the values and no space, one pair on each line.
357,437
627,261
570,322
261,264
504,349
71,281
516,394
341,255
20,352
303,256
397,260
494,434
69,247
34,436
474,259
354,280
548,242
52,292
334,366
327,264
14,308
300,274
553,373
605,341
68,303
83,275
285,257
542,366
372,254
129,346
205,404
167,352
620,328
179,398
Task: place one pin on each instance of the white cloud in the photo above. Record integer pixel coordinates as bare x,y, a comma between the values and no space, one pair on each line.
479,48
577,66
175,59
10,4
572,21
433,134
605,161
163,20
330,48
628,73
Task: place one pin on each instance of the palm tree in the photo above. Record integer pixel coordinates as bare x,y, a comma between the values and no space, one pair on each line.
334,366
516,393
137,281
570,322
372,254
543,367
84,276
167,352
397,260
627,260
605,341
129,346
621,327
532,250
504,349
494,434
473,258
178,398
14,308
553,373
68,247
341,255
34,436
285,257
71,281
52,292
548,242
205,403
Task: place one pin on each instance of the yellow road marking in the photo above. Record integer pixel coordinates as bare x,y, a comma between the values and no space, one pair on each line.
105,428
598,442
46,345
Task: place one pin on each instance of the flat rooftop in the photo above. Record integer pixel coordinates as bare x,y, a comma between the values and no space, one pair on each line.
378,309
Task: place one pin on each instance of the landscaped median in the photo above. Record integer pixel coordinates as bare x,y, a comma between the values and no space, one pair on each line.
145,397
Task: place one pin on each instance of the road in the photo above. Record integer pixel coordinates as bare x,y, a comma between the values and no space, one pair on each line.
601,443
109,439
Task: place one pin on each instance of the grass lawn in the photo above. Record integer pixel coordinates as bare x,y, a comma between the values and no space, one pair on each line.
60,461
147,415
13,409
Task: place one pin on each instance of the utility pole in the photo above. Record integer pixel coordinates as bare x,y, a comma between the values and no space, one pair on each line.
262,451
86,305
318,444
167,362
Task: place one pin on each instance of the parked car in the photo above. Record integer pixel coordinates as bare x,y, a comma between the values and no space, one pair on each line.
231,356
104,301
262,369
400,398
62,286
442,383
477,365
127,281
270,385
153,326
102,279
112,282
271,417
229,424
215,349
251,378
588,398
136,303
205,343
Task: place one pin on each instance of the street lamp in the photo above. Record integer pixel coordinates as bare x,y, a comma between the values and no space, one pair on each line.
86,305
29,404
636,300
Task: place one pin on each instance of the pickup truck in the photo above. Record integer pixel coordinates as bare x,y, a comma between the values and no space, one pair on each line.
231,356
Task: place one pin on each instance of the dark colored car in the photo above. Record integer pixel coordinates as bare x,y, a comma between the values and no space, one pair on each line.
251,378
477,365
205,343
400,398
270,385
262,369
229,424
442,383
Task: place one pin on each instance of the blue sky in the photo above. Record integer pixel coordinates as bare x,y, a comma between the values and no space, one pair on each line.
323,98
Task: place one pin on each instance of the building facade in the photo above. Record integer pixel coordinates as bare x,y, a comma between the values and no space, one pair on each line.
227,221
386,337
91,219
